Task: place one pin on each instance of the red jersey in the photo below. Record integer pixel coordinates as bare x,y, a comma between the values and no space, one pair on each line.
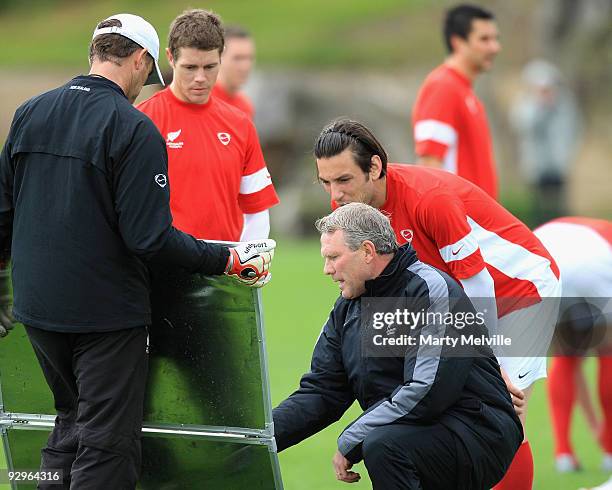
239,100
456,227
450,123
216,168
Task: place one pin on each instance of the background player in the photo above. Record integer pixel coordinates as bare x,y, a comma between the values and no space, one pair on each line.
456,227
221,188
582,248
237,63
449,122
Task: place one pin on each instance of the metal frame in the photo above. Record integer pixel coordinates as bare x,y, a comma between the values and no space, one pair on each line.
238,435
35,421
6,447
263,363
40,422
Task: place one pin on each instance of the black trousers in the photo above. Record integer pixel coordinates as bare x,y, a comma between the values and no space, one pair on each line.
98,383
424,457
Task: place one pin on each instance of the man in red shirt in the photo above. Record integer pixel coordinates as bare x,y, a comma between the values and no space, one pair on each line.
237,62
449,122
456,227
221,188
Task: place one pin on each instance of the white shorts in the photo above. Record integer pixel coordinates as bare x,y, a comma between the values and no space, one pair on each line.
531,330
523,371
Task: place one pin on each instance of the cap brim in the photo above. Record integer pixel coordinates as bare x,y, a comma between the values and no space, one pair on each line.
155,77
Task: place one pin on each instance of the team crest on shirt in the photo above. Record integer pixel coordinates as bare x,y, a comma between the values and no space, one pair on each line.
472,105
171,139
224,138
407,235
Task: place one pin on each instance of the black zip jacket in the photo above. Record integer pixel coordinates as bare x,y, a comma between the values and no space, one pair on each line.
428,385
84,203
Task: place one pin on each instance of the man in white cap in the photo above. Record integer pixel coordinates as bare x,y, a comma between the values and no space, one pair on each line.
84,204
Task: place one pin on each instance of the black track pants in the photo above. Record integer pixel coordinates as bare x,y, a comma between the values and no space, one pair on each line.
98,382
423,457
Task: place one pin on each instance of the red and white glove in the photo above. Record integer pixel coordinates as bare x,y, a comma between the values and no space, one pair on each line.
249,262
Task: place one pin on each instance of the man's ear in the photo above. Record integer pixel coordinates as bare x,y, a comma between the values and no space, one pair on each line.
141,58
456,42
370,251
170,57
375,168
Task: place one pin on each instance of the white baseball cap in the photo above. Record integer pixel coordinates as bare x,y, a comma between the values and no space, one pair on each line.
142,33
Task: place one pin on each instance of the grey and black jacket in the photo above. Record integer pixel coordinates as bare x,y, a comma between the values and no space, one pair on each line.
427,385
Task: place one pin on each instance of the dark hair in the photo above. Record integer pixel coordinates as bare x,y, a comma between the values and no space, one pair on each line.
112,47
459,19
345,133
198,29
236,32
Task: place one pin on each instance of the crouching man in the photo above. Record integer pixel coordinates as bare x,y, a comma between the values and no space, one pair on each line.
432,419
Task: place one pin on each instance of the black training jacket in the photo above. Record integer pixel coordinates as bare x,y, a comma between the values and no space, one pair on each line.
466,394
84,203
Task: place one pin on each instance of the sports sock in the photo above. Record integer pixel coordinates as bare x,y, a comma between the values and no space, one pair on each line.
561,386
605,398
520,474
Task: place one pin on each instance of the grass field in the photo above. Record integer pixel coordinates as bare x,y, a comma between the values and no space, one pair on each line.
313,33
297,303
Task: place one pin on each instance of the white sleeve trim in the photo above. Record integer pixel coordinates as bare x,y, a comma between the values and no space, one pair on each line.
249,184
460,249
432,130
480,288
256,226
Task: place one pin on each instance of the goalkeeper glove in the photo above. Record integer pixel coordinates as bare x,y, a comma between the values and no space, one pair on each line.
249,262
6,310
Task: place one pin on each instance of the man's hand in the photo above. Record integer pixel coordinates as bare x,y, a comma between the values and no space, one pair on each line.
518,397
342,467
6,307
249,262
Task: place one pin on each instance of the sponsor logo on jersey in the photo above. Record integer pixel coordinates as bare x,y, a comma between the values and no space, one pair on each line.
455,252
80,87
224,138
171,139
161,180
407,235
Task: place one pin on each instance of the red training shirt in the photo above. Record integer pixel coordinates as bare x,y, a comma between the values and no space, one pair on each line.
456,227
450,123
216,170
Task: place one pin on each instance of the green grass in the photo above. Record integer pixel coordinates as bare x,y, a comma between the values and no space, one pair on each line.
297,303
315,32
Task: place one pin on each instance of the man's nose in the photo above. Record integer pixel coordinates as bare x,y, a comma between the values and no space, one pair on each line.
200,76
335,193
